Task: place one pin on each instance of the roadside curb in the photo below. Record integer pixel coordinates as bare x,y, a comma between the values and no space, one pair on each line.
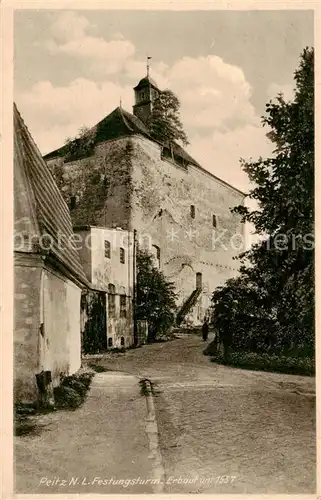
152,433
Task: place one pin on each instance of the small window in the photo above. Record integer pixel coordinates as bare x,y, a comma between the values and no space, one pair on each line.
122,256
214,221
72,202
110,342
193,211
123,309
107,249
122,341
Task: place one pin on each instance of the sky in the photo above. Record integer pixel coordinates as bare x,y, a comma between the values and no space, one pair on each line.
73,67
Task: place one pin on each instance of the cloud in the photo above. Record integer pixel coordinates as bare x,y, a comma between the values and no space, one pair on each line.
70,36
54,113
69,26
215,96
212,92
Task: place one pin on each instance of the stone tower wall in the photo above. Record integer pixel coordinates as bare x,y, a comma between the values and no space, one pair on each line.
163,193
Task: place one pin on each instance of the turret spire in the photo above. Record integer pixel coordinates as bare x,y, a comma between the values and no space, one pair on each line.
148,65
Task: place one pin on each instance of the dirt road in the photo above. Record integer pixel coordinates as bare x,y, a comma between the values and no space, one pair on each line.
224,429
221,430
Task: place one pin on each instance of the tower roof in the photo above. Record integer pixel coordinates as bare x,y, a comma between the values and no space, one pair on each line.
147,80
120,123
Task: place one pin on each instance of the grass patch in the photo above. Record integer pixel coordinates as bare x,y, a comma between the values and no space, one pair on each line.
267,362
23,423
69,395
24,419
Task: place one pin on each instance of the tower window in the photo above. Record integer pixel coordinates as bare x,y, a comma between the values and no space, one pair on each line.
214,221
110,342
72,202
193,211
107,249
122,256
198,280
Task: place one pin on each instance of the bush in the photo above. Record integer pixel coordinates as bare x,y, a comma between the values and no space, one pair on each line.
67,397
72,390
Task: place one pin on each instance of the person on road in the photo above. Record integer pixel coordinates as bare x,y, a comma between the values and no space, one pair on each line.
205,330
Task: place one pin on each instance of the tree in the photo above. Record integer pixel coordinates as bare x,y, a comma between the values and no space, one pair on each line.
155,297
164,123
81,145
280,269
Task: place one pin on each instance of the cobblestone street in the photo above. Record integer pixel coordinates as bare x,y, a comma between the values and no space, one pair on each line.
226,430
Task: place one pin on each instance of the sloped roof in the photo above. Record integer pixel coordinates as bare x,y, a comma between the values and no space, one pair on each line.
146,81
120,123
51,211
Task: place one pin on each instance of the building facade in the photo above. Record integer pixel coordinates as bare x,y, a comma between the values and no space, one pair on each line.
180,211
107,257
48,279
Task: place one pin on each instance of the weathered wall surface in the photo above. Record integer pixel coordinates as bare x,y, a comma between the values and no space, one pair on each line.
107,271
27,281
43,298
101,184
60,349
118,327
163,195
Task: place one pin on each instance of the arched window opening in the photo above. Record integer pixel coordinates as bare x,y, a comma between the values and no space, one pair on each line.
198,280
107,249
122,256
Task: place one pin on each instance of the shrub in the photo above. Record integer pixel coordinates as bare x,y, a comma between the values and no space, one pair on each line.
72,390
67,397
